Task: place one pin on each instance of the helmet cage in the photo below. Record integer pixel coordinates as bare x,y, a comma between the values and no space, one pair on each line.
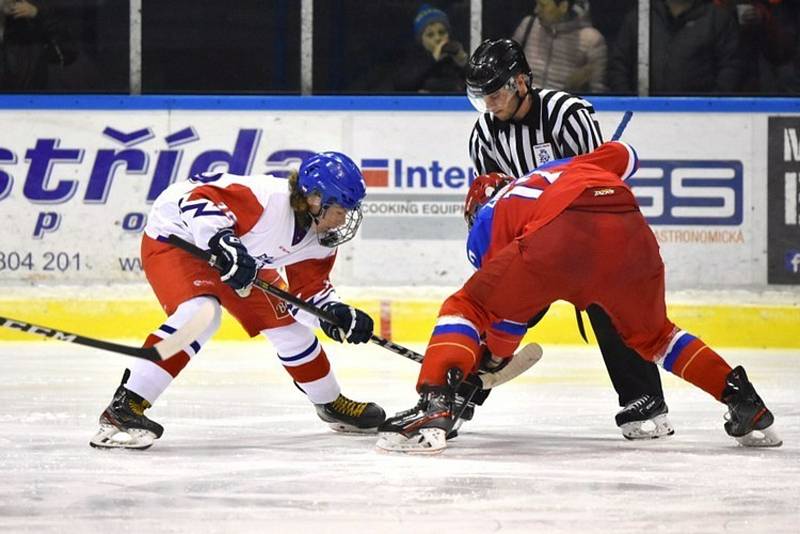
337,180
342,233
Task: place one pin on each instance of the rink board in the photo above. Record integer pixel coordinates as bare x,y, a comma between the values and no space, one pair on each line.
718,180
718,184
731,325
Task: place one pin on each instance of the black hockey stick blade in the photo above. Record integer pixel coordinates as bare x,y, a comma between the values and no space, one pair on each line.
299,303
149,353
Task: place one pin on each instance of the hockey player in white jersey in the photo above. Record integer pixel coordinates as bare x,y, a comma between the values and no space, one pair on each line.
254,225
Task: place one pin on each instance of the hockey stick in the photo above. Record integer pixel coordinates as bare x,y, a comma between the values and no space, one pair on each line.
299,303
524,359
622,125
162,350
516,367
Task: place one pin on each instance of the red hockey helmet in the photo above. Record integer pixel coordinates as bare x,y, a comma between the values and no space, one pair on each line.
481,191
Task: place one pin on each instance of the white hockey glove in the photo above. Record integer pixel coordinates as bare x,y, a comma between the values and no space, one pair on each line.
237,268
354,325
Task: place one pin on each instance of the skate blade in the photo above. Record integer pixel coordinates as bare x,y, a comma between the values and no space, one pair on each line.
761,438
350,429
111,437
426,441
655,428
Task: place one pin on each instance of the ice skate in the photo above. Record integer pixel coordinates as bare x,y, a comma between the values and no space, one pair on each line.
123,424
424,428
645,418
345,415
748,420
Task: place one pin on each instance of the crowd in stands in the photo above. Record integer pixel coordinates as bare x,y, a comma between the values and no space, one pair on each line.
697,47
720,47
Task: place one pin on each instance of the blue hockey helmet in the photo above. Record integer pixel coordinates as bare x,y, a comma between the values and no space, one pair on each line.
334,177
337,180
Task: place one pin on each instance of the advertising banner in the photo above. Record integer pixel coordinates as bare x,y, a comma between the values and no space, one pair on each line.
76,187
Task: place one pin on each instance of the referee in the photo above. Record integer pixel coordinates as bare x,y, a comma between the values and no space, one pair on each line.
521,128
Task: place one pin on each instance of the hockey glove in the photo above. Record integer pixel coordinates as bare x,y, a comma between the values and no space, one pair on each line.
354,325
236,267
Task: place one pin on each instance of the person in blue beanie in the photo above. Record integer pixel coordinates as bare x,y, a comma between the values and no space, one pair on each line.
435,63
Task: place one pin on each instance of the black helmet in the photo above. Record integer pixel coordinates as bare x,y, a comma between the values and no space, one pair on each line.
493,63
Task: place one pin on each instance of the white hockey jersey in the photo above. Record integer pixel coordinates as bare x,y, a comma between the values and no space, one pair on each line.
257,209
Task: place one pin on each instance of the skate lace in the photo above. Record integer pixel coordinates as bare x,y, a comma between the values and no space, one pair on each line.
138,408
420,406
638,403
348,407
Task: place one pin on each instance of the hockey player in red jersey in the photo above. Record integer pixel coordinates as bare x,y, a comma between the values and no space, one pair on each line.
254,225
571,230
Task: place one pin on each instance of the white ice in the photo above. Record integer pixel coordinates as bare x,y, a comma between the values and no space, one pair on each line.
243,451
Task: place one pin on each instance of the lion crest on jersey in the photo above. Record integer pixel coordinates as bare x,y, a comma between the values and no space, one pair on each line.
543,153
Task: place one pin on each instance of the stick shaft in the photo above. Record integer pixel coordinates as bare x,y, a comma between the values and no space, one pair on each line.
196,251
149,353
622,125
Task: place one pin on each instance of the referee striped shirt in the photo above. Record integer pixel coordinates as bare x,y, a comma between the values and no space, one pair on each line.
558,125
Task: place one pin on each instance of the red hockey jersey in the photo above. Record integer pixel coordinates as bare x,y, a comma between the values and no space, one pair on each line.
593,181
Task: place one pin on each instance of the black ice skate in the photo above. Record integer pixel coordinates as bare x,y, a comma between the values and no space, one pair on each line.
123,424
345,415
748,420
423,429
645,418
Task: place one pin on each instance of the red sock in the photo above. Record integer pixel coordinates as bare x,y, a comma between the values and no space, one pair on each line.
692,360
317,368
172,365
445,351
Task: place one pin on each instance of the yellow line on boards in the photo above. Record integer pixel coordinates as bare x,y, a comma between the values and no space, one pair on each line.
411,321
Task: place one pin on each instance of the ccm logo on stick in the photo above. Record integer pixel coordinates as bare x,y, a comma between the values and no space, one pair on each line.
33,329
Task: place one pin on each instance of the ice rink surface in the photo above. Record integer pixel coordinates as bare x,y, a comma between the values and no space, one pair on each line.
243,451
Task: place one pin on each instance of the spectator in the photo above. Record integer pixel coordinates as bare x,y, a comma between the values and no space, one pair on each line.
770,45
693,49
31,37
564,50
435,64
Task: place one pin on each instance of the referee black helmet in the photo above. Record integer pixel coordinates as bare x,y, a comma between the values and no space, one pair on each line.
492,64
